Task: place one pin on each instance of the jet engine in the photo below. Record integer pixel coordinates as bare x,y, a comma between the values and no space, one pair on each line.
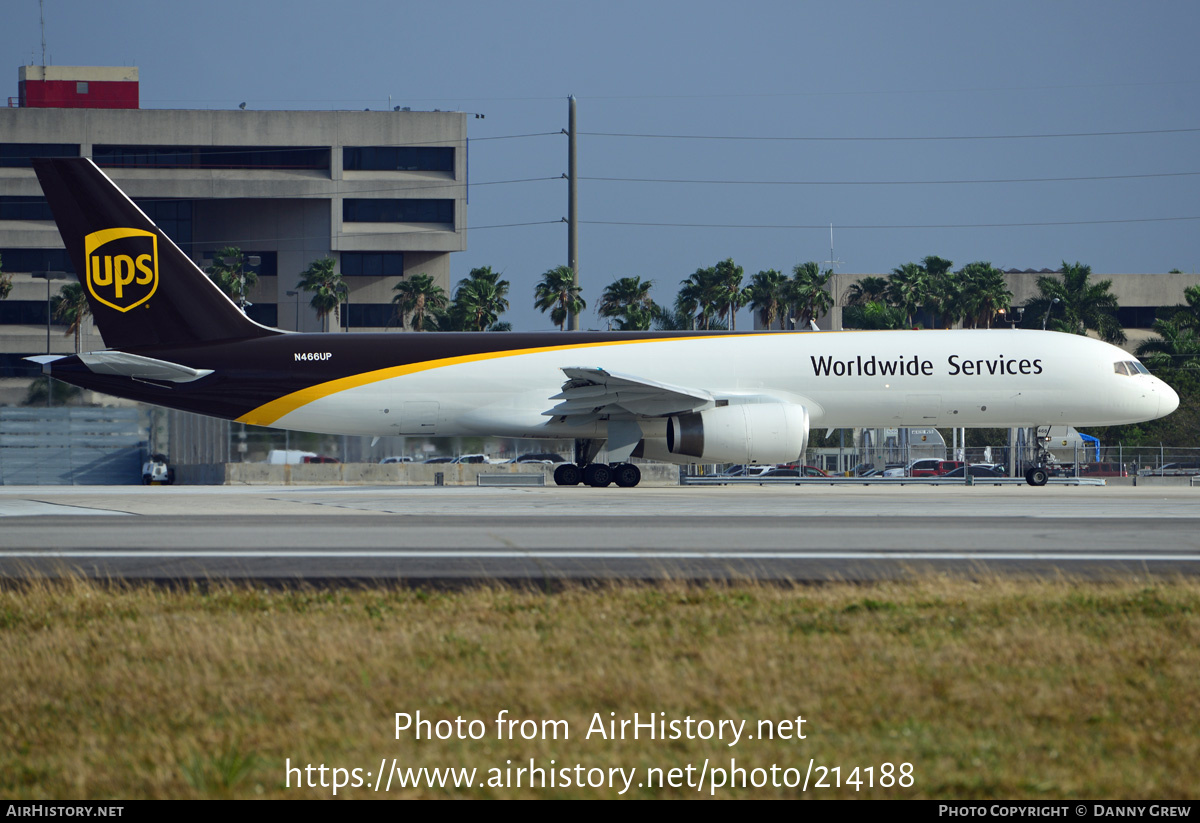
746,433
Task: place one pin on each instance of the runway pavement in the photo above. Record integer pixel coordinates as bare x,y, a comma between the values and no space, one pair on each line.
451,535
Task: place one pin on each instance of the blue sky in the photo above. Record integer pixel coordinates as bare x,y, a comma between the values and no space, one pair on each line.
705,69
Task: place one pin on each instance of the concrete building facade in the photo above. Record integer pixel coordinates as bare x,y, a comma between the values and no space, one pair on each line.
383,193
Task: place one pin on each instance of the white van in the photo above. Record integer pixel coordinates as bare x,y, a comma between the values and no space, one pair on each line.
287,457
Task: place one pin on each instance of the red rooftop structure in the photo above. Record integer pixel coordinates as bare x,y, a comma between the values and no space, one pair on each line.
78,87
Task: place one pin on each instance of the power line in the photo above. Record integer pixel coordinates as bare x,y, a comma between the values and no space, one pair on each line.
350,235
892,182
681,96
886,139
897,226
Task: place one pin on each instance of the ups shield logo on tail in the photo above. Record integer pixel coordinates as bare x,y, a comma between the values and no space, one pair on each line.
122,266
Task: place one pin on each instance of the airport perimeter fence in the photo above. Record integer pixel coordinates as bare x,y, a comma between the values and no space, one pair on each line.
1082,460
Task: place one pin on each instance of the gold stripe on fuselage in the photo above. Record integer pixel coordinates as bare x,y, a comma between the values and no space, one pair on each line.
268,413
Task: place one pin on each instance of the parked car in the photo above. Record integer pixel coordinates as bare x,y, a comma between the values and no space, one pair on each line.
542,457
440,460
738,470
321,458
395,460
285,457
796,471
805,471
781,473
471,458
924,467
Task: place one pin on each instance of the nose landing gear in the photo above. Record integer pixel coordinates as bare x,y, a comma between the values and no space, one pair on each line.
1037,474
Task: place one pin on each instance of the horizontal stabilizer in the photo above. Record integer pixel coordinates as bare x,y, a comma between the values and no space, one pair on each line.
123,364
44,360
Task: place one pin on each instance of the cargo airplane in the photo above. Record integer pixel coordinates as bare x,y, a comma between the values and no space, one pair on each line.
175,340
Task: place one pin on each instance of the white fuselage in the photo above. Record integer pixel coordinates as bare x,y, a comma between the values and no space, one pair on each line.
984,378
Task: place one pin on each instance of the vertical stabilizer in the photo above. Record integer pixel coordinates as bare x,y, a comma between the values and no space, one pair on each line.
143,291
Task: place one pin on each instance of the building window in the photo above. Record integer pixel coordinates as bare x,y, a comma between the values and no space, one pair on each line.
371,315
26,312
372,264
31,260
398,158
212,157
15,365
25,208
265,313
17,155
81,87
358,210
174,217
1136,317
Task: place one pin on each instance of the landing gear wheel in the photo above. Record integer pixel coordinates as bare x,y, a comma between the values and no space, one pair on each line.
597,474
627,475
1036,476
568,474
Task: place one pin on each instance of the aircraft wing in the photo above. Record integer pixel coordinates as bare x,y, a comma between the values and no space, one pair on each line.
589,393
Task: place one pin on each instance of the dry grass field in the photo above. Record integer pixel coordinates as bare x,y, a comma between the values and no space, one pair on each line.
998,688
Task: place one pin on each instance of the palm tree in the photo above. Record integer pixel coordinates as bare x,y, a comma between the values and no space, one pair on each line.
1176,350
984,293
328,289
809,293
698,297
730,295
71,306
943,292
1186,315
766,292
867,290
907,290
628,300
558,294
419,300
873,314
1081,306
228,271
480,299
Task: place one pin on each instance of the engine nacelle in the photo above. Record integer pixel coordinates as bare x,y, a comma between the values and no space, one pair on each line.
746,433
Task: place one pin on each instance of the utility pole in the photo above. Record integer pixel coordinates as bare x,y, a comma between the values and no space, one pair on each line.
572,209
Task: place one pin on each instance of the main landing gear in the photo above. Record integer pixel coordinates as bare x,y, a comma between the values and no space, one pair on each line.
625,475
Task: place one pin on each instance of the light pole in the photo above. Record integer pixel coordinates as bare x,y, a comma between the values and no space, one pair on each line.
1047,315
296,295
48,276
1013,315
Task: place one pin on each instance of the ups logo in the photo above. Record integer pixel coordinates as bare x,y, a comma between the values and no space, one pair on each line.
122,266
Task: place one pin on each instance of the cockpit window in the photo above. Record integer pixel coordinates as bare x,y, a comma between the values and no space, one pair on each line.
1121,368
1140,367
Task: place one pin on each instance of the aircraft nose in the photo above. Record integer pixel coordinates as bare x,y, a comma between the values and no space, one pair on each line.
1168,399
